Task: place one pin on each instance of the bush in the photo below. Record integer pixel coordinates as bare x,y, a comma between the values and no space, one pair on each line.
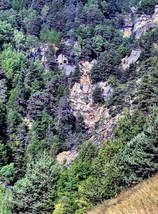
52,37
20,40
12,62
71,179
3,155
18,4
98,96
147,92
7,174
5,5
147,6
32,192
9,16
105,67
5,200
137,160
123,162
6,32
75,76
98,43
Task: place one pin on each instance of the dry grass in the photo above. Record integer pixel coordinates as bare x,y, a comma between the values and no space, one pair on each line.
142,199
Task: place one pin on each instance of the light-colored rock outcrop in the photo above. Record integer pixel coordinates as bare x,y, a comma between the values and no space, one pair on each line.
96,117
128,60
107,91
63,64
128,25
142,24
61,59
40,53
66,157
155,16
138,25
68,69
81,96
28,122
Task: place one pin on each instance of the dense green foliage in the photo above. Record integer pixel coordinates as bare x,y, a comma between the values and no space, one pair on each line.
36,119
147,6
5,200
98,96
40,179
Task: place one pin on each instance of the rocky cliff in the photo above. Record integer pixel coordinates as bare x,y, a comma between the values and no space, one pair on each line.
137,25
96,117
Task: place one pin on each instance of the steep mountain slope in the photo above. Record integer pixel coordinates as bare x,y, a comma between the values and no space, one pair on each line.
78,102
140,199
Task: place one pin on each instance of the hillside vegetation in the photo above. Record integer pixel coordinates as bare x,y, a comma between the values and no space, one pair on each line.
78,102
142,199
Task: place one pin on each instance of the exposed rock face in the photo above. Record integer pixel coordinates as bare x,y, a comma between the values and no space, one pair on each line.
68,69
142,25
28,122
44,53
63,64
134,56
40,53
44,50
128,25
138,25
96,117
66,157
61,59
155,16
81,96
106,91
77,49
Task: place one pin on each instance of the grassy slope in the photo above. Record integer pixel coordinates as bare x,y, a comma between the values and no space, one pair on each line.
142,199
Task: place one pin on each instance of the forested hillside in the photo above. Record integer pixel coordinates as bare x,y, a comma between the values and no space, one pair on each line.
140,199
78,102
